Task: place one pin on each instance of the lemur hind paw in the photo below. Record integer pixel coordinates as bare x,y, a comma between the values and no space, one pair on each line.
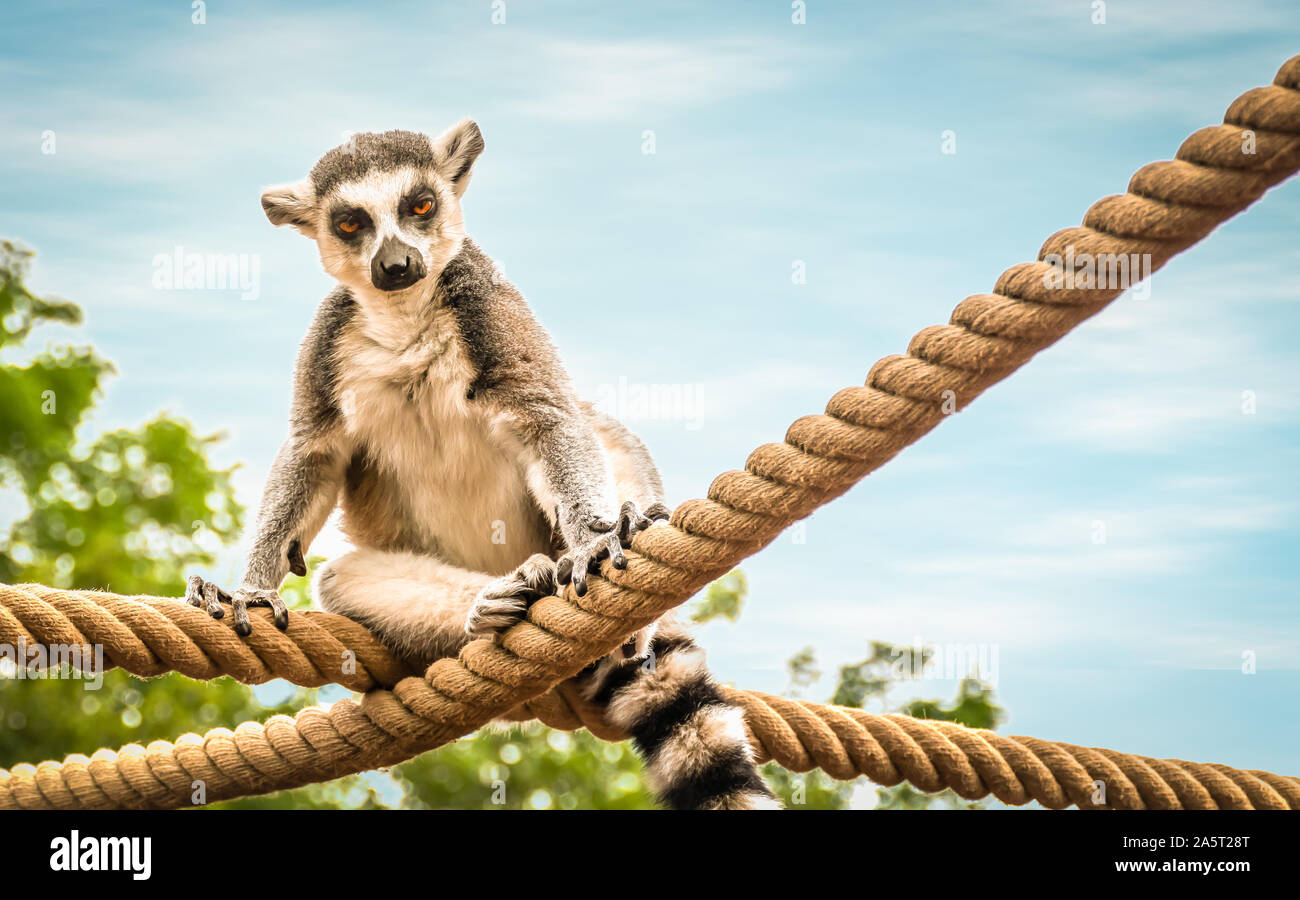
503,602
207,595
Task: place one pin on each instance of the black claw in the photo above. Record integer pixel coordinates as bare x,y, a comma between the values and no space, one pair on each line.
194,590
580,578
658,511
564,571
242,626
296,563
613,548
210,593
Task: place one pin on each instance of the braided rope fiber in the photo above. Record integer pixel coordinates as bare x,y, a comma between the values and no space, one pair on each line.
151,635
1218,171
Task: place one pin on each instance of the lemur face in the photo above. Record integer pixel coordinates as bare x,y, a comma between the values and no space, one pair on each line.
384,209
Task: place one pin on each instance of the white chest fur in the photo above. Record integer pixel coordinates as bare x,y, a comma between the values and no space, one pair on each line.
462,471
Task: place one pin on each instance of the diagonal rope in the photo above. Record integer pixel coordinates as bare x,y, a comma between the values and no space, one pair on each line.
1217,172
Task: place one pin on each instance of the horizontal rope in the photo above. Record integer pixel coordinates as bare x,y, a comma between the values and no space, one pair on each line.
975,763
318,744
1169,206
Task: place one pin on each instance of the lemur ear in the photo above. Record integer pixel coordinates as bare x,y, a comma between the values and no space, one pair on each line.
291,204
456,151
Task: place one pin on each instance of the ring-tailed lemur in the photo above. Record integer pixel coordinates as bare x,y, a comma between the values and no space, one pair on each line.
430,402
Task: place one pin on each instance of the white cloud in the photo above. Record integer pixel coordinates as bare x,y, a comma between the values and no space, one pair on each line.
1107,562
640,80
1109,541
565,79
1146,419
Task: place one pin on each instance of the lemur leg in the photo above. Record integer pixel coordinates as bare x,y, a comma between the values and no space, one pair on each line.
299,495
417,605
693,742
424,608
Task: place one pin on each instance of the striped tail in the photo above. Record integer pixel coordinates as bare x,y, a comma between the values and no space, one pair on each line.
693,742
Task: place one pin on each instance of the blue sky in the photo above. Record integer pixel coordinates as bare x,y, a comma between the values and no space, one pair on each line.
774,143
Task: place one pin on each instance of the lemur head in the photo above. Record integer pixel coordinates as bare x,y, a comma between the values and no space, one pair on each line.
384,209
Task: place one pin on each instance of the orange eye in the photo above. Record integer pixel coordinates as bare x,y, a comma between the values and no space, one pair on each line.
349,226
422,207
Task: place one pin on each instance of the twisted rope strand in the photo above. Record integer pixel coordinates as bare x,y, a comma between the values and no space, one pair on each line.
1169,206
321,744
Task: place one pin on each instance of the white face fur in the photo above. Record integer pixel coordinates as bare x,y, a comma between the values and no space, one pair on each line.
388,221
382,208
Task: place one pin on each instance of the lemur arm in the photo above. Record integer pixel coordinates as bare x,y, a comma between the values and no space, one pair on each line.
303,485
519,374
301,491
572,476
574,470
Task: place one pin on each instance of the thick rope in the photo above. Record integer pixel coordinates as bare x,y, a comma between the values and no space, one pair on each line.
1169,206
846,743
151,635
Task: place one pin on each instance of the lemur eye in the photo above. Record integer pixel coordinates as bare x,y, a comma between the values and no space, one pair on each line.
422,207
349,226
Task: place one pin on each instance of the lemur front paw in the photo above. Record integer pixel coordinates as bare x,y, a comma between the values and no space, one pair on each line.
206,594
606,539
503,602
631,521
599,541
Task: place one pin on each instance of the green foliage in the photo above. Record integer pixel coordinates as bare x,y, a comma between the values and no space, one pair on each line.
135,507
807,790
130,509
803,671
723,599
904,796
49,718
20,310
527,767
870,679
974,707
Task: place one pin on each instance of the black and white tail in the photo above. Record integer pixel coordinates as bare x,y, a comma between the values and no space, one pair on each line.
693,742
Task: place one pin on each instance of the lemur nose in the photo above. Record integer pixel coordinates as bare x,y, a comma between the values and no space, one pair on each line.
396,265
